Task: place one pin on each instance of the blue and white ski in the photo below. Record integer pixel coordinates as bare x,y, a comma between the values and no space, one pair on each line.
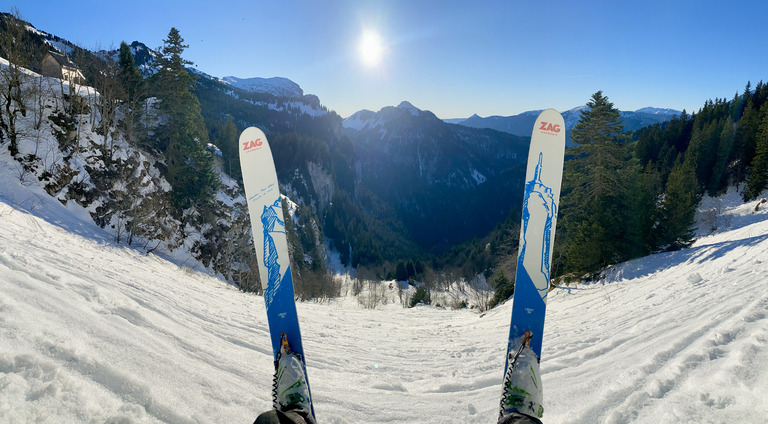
265,209
537,233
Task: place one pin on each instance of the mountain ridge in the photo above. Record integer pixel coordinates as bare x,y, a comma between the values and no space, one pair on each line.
278,86
522,123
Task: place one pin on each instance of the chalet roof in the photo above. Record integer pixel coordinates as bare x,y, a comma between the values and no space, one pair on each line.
62,59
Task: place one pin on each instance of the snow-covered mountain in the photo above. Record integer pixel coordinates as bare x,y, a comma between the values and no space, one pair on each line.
366,119
658,111
277,86
144,57
98,332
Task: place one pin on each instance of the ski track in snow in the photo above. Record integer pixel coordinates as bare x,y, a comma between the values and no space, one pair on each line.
690,346
91,331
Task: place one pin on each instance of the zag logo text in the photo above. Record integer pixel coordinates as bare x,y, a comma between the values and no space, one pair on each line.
546,126
253,144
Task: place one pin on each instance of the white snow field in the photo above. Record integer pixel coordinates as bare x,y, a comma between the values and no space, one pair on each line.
94,332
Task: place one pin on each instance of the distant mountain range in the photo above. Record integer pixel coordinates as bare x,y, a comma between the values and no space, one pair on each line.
523,123
519,125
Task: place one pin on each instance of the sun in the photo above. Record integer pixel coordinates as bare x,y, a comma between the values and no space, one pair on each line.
371,48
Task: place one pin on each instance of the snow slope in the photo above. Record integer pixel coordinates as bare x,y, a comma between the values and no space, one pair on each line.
91,331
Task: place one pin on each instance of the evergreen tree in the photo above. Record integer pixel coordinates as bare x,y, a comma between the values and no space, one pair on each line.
719,181
641,229
585,250
760,96
401,274
677,136
182,136
410,269
678,207
226,140
758,173
596,197
599,124
132,90
702,151
744,143
503,288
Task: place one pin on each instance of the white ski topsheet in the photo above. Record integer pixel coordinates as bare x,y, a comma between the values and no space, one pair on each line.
537,230
269,239
544,176
263,194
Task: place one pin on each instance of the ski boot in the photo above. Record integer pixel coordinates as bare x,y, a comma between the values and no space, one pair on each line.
290,393
289,389
522,395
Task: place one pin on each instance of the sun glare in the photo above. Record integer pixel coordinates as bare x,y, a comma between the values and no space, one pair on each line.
371,48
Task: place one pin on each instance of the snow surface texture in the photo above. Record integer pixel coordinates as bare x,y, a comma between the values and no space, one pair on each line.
91,331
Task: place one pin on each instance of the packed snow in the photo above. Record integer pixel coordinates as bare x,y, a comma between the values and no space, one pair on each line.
92,331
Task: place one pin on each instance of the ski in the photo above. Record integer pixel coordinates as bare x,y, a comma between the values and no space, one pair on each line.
537,235
268,226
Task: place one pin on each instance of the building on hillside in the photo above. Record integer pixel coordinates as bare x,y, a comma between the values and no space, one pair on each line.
58,65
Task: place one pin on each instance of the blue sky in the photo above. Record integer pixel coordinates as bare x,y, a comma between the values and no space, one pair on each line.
454,58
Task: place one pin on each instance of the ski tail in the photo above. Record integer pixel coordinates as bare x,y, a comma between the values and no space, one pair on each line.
522,390
290,385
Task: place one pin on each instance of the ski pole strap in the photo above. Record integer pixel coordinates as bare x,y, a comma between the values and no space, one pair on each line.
526,342
284,346
527,336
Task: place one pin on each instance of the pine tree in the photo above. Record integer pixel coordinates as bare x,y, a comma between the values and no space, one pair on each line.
599,124
183,135
410,269
703,150
758,173
641,229
503,288
678,207
226,141
719,181
401,274
744,144
132,91
596,200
